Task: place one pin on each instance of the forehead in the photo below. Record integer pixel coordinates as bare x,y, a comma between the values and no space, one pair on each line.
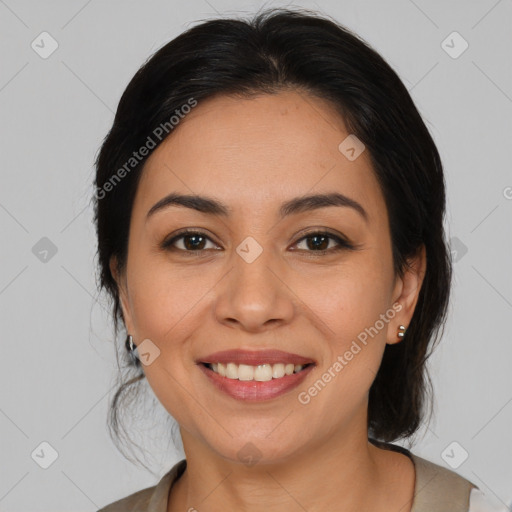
256,151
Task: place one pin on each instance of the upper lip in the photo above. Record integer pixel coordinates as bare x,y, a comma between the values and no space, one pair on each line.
252,357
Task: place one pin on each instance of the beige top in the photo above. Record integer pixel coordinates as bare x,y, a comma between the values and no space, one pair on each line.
436,489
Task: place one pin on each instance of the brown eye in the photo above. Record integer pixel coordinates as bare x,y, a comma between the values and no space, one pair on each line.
197,241
319,242
190,241
193,242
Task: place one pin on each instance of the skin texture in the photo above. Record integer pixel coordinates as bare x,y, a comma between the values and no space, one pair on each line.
254,154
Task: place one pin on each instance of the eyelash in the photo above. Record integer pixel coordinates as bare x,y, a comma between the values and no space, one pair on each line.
342,243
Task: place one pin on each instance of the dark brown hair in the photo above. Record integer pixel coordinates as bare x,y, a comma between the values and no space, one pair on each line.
281,49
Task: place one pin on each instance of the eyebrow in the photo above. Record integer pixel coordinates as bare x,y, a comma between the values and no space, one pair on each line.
297,205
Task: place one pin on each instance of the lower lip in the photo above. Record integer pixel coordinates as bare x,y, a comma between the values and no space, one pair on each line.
255,391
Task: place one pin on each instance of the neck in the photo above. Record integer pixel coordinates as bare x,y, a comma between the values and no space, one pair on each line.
341,473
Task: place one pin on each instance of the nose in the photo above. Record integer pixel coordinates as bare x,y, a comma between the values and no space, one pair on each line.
254,296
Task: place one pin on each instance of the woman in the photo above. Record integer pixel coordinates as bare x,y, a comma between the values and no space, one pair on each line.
269,214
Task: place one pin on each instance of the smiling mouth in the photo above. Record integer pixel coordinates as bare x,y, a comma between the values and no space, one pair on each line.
259,373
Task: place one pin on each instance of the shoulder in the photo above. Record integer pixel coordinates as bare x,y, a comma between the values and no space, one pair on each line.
439,488
429,471
138,501
150,499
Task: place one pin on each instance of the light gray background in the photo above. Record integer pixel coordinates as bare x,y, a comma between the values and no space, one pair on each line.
57,352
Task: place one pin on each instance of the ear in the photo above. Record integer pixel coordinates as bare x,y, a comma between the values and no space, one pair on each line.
120,279
406,293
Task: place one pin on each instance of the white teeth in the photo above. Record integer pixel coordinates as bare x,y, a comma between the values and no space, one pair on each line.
278,370
261,373
231,371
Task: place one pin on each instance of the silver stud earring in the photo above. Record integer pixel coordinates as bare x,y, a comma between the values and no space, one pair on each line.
129,343
401,331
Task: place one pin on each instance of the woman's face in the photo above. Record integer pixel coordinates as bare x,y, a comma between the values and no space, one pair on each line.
256,278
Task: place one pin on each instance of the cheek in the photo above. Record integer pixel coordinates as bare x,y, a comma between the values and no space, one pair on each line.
165,304
349,298
163,295
353,312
